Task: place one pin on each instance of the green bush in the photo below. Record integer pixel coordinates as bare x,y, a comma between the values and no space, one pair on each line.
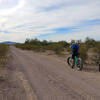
83,52
36,45
97,51
90,43
58,49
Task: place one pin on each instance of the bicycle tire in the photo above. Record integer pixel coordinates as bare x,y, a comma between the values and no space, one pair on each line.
69,63
80,64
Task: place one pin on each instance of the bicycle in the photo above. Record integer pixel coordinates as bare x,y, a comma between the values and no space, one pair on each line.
77,63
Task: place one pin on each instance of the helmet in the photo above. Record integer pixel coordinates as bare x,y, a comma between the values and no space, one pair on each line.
73,41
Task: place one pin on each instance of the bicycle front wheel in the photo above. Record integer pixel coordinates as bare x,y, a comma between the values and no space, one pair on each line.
80,64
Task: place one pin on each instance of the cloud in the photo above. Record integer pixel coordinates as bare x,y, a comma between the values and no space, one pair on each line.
8,7
76,34
30,18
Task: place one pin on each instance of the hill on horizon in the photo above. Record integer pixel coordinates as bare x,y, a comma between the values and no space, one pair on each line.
8,42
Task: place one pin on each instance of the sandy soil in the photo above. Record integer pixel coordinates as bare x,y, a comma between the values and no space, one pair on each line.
42,77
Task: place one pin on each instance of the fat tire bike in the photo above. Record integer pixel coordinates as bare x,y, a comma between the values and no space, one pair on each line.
78,62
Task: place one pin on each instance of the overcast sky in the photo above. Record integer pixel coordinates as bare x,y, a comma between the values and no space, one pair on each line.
49,19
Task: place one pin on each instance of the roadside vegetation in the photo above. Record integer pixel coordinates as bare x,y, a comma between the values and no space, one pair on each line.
89,49
3,57
93,47
42,46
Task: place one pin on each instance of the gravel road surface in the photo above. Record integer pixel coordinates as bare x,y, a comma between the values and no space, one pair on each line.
48,78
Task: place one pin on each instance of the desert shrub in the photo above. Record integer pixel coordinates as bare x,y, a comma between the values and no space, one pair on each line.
68,47
44,43
28,46
83,52
90,43
3,50
97,47
18,45
97,51
56,47
37,48
64,44
36,45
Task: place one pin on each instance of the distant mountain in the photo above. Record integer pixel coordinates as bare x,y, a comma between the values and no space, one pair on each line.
8,42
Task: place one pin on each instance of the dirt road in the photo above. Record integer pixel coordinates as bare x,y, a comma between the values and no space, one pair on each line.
48,78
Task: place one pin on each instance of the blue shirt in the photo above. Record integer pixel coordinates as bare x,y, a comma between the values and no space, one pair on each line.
76,46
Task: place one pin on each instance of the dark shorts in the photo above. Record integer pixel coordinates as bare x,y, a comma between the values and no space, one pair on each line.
74,55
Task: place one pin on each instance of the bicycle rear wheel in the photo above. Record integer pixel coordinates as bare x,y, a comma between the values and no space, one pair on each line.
69,61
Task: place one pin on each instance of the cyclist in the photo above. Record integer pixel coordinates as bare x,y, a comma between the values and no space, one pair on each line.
75,51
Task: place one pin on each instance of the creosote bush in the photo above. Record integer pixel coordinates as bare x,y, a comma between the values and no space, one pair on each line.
97,51
38,46
83,52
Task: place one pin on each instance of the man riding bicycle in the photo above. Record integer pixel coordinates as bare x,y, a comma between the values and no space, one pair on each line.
75,51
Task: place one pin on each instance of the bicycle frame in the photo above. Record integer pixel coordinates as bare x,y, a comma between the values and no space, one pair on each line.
75,62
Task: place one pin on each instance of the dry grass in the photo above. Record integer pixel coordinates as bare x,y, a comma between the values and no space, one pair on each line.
3,57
